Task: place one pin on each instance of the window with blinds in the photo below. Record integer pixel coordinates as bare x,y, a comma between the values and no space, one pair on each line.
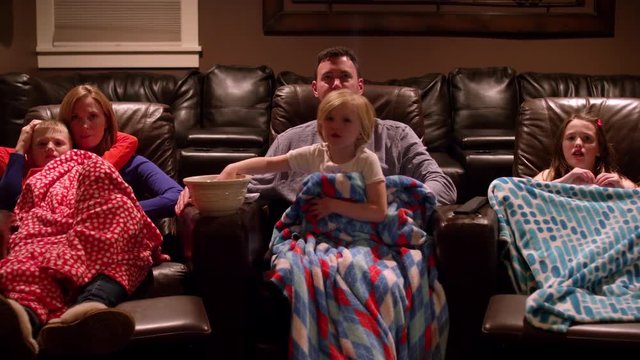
117,33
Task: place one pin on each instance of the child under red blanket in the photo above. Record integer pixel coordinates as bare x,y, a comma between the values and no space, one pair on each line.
65,268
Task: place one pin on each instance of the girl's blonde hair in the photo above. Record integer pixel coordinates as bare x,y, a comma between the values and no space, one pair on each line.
363,107
81,92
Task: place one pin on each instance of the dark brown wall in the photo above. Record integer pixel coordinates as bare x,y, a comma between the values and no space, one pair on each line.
231,33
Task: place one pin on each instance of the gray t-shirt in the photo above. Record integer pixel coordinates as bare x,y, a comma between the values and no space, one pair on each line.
398,148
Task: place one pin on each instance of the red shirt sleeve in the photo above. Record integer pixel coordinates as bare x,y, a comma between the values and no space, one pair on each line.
122,150
4,158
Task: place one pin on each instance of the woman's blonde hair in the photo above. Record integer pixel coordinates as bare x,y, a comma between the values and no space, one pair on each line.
81,92
363,107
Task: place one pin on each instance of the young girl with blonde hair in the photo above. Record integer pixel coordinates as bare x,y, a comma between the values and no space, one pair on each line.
345,124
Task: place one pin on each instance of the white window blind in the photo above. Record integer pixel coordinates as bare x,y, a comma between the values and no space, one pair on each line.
117,33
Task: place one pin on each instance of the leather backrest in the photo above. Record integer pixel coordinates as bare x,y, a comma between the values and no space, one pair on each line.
295,104
237,97
483,100
614,86
436,113
20,92
151,123
434,95
539,121
537,85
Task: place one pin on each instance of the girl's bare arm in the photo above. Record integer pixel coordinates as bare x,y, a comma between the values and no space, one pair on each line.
373,210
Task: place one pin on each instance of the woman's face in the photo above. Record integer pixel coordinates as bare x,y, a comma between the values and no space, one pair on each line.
88,123
580,144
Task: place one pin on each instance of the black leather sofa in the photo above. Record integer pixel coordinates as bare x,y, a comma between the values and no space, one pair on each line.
469,119
224,114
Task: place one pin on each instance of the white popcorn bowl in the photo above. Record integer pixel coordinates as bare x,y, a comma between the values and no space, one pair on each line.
217,197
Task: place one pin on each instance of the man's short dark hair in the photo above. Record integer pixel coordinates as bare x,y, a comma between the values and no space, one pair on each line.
337,52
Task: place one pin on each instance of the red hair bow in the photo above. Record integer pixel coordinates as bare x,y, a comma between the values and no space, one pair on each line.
599,122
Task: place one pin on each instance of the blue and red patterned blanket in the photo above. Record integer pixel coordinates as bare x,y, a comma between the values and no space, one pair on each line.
574,249
358,289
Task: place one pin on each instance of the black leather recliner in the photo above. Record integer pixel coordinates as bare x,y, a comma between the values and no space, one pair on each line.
236,107
504,322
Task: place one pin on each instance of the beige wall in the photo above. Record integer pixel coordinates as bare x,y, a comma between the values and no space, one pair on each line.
231,33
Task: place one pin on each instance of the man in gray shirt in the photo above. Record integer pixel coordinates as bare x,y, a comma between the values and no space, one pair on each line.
399,149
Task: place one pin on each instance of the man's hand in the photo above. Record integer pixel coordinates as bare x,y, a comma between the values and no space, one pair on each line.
183,200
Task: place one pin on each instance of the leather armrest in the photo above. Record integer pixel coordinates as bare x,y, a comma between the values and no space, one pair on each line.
225,255
168,318
467,248
467,255
165,279
243,231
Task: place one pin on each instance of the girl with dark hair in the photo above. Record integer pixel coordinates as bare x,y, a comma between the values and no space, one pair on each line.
582,155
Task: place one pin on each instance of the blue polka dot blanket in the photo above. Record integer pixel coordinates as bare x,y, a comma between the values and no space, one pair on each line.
357,289
574,249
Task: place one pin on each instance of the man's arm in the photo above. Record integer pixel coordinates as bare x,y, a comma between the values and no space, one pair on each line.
416,162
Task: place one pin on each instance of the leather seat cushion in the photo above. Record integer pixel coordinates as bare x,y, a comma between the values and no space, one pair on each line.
504,320
167,318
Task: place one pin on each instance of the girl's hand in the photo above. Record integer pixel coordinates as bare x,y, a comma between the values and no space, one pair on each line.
578,176
321,207
227,174
24,141
609,180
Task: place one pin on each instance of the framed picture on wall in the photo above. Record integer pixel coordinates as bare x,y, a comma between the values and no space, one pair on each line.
530,19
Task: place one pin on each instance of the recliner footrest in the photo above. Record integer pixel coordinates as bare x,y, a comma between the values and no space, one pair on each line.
168,318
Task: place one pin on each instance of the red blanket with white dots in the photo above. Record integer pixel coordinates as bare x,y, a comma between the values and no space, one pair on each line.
78,218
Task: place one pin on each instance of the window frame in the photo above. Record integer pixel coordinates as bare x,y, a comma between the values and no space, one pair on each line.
185,54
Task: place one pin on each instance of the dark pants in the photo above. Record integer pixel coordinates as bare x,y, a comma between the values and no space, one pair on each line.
101,288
